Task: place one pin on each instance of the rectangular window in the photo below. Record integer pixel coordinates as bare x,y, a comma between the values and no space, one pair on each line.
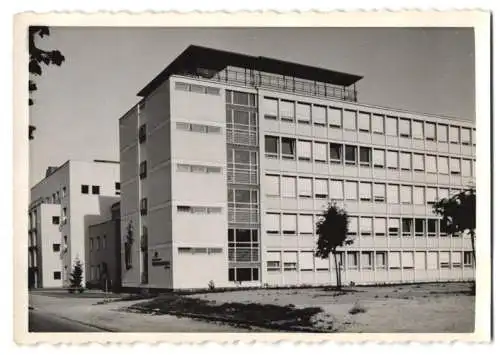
335,117
418,195
303,113
419,227
394,227
98,243
430,131
394,260
306,260
321,264
455,166
56,247
454,135
271,146
336,190
406,194
305,187
351,154
365,191
57,275
352,229
350,120
404,128
407,224
378,158
407,260
466,167
442,133
365,226
431,163
143,170
55,220
306,224
272,185
378,124
287,148
304,150
418,129
418,162
443,193
287,110
392,159
273,261
432,260
364,121
365,158
465,133
321,188
95,190
319,115
456,259
351,190
272,223
431,227
336,153
142,133
379,192
391,126
392,193
431,195
117,188
144,206
380,227
420,260
444,259
320,152
381,259
443,165
289,224
467,258
63,191
288,187
85,189
290,261
367,260
405,161
352,259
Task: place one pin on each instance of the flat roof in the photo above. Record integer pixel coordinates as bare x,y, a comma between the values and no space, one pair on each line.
195,57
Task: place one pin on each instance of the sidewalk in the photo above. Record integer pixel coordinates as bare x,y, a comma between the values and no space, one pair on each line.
107,316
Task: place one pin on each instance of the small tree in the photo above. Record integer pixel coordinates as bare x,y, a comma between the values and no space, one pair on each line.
332,230
76,277
458,213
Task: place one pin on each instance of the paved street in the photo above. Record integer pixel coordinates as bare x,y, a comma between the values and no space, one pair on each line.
43,322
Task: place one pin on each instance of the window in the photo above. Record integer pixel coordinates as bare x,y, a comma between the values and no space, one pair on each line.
365,226
270,108
85,189
443,193
466,167
304,150
272,185
392,159
473,137
273,261
272,223
143,170
405,161
394,227
287,148
321,188
365,191
442,133
367,260
351,154
56,247
406,194
454,135
303,113
456,259
420,260
431,195
305,187
98,243
142,133
321,264
351,190
431,163
418,129
319,115
57,275
378,158
365,156
95,190
350,120
465,133
306,260
144,206
243,98
393,193
364,122
335,117
288,187
117,188
418,195
336,190
352,259
306,224
55,219
407,260
104,242
443,165
391,126
271,146
407,224
444,259
454,166
419,227
320,152
432,260
290,261
430,131
431,227
379,192
379,227
418,162
394,260
404,128
352,228
467,258
381,259
289,224
336,153
378,124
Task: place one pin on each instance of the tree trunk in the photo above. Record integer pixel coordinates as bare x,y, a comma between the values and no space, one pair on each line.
473,243
337,271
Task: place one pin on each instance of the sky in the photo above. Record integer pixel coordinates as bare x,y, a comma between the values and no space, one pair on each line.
77,105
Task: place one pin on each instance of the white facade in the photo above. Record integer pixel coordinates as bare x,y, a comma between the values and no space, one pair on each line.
80,194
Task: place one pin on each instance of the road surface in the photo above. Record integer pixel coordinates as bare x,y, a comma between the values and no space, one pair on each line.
43,322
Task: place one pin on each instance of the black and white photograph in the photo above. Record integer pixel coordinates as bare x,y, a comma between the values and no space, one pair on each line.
253,179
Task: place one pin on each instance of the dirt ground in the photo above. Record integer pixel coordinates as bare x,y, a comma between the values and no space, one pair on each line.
419,308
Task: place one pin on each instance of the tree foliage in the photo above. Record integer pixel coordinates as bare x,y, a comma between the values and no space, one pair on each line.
37,58
76,276
332,231
458,213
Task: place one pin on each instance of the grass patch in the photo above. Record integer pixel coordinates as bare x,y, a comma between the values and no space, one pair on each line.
357,309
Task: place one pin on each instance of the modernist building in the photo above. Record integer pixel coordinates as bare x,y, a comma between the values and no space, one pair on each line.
63,205
228,161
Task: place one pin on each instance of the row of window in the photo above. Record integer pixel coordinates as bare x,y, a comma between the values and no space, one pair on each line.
336,189
199,89
201,169
240,274
355,120
369,260
199,209
97,245
241,98
95,189
366,226
199,128
190,250
336,153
